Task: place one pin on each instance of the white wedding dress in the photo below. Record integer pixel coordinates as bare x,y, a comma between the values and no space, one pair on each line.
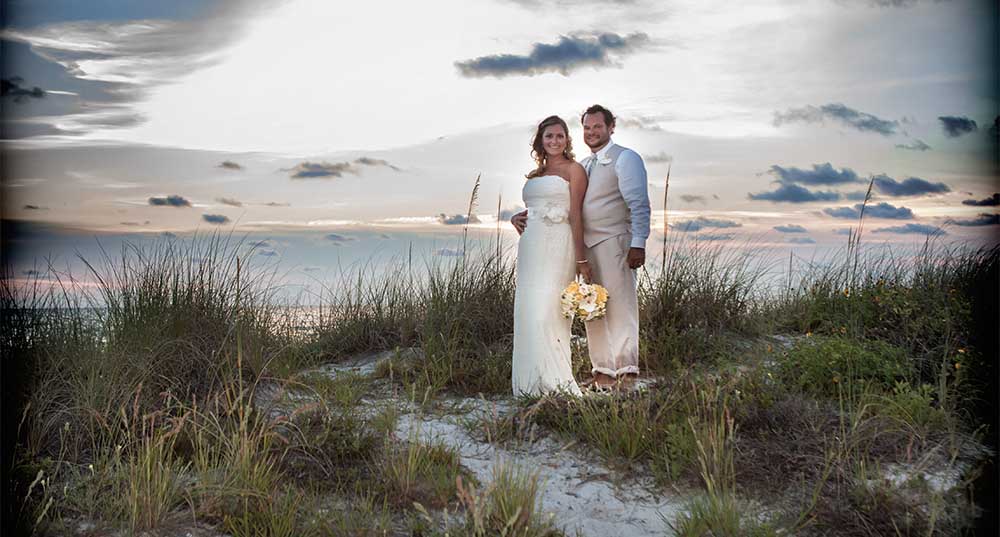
545,265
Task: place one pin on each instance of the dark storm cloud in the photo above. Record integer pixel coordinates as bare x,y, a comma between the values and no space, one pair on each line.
913,186
230,165
789,193
991,201
955,126
820,174
801,240
791,228
702,223
912,229
984,219
230,201
882,210
691,198
850,117
917,145
11,87
169,201
457,219
569,53
215,218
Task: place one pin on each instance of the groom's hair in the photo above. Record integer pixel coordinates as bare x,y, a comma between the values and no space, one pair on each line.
609,118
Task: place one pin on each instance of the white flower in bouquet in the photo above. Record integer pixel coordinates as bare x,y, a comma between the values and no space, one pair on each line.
586,300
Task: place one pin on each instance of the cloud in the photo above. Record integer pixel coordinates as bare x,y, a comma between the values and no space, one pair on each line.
30,207
367,161
230,165
801,240
917,145
569,53
855,196
639,122
215,218
31,273
114,63
268,253
457,219
955,126
134,224
991,201
338,239
918,229
449,252
276,204
850,117
691,198
229,201
843,231
984,219
314,170
702,223
821,174
714,237
790,193
11,87
882,210
790,228
913,186
506,214
261,244
169,201
661,157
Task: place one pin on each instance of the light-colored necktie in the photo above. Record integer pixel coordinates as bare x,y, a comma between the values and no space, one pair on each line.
590,165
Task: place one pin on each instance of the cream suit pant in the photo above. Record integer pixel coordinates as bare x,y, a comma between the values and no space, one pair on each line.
613,340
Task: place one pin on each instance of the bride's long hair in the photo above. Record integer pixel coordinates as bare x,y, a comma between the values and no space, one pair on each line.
538,149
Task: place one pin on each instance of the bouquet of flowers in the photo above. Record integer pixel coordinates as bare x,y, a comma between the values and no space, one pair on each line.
587,300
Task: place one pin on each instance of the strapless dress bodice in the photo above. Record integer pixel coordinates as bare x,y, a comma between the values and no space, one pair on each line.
547,199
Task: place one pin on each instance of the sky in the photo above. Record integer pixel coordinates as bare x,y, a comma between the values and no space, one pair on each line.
338,132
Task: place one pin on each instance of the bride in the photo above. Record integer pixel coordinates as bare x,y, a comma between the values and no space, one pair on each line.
549,253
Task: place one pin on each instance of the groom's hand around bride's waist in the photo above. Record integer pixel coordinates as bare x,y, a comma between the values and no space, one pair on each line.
636,257
519,221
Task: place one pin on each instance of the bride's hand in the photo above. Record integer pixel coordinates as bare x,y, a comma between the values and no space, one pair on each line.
583,269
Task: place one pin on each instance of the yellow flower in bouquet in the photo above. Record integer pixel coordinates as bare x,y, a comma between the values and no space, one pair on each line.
587,300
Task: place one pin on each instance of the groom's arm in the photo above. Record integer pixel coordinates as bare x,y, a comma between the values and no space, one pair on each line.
632,183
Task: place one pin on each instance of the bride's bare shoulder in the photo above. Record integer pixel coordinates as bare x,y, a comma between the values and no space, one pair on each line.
576,170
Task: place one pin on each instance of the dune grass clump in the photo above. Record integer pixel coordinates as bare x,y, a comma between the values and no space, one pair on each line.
696,301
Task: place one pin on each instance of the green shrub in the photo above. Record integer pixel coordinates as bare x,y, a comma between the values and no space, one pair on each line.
827,365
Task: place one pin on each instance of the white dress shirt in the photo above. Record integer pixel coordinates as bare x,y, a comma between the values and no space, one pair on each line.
631,174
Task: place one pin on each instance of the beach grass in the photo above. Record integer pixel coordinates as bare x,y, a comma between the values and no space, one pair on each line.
140,399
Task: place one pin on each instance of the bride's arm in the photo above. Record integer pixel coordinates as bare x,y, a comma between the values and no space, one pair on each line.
577,191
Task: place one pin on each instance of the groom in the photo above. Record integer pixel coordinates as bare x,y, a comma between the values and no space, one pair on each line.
615,228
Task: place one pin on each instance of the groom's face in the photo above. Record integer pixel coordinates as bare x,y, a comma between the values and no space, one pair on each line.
596,132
